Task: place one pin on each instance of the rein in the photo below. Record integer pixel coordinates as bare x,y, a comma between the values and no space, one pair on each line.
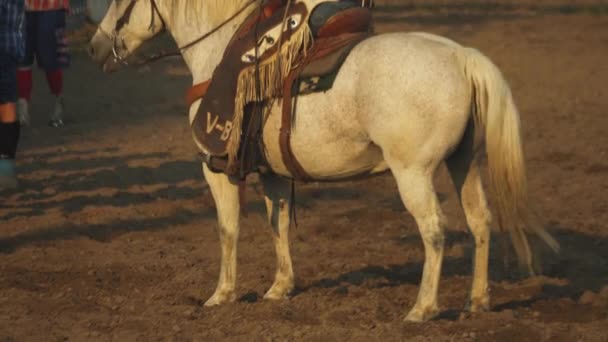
124,19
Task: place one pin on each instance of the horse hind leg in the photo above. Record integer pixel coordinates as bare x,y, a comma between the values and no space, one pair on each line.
463,166
417,192
277,197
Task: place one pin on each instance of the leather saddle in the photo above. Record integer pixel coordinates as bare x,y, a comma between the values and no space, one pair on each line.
336,28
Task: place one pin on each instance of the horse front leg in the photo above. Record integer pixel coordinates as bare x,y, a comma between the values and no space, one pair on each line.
277,196
226,196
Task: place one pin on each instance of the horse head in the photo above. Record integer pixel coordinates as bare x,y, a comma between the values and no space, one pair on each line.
126,25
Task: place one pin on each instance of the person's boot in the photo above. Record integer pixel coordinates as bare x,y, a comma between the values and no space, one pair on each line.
57,116
23,112
8,176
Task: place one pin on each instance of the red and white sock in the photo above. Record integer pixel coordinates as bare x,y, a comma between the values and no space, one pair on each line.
24,83
55,81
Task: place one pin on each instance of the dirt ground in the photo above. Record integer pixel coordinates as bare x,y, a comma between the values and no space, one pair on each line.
112,234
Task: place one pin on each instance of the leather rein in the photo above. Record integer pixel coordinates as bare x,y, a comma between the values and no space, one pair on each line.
126,16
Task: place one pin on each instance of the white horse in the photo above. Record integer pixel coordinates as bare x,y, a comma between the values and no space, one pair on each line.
403,102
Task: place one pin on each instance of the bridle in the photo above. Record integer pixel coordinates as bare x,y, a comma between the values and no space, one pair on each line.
121,22
125,18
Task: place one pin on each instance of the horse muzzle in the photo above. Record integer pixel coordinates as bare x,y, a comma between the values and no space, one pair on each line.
101,49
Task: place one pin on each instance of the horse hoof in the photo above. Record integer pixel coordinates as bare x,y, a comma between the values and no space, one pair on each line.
277,294
221,298
422,315
280,289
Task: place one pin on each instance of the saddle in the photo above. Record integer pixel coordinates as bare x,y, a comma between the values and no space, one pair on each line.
274,55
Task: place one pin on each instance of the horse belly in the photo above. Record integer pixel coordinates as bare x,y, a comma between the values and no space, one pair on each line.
327,139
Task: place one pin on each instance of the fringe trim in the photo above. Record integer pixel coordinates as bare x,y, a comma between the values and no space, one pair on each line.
272,74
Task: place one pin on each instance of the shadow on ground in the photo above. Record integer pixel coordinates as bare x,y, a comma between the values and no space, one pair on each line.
581,265
102,232
121,183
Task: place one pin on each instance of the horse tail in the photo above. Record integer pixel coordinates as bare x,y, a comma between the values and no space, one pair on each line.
495,110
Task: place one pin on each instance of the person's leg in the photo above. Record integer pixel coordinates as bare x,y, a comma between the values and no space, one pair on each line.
53,57
55,81
9,126
24,72
24,80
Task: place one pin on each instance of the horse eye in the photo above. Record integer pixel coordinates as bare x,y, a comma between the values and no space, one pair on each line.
269,40
293,23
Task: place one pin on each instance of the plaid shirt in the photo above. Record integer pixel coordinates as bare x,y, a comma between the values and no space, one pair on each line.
11,28
46,5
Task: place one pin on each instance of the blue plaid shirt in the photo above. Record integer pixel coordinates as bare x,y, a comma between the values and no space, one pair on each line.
11,28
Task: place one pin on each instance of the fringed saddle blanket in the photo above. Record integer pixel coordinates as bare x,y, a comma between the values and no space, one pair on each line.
252,70
272,56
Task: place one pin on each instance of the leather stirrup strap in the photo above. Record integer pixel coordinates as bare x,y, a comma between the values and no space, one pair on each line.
318,51
292,164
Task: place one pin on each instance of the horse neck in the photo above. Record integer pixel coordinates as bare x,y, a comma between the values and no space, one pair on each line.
204,56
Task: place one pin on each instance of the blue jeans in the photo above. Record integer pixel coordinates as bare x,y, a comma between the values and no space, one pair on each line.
8,79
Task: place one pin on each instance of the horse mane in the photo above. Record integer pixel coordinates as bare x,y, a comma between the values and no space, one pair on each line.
211,11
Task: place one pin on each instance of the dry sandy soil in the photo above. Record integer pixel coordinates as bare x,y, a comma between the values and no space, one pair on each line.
112,234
